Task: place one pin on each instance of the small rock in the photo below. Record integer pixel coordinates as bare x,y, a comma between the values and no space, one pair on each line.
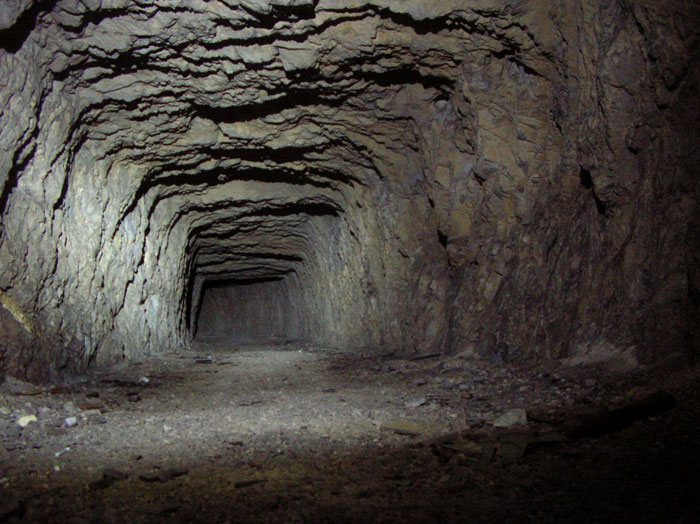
176,472
59,453
26,420
114,474
71,421
151,476
163,476
514,417
133,397
590,382
416,402
469,352
144,380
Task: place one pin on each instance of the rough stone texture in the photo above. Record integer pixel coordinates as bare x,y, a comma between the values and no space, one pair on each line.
517,178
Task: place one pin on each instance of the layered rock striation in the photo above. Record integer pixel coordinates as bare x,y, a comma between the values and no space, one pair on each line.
517,178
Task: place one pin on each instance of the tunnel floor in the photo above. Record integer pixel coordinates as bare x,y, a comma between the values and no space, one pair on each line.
294,433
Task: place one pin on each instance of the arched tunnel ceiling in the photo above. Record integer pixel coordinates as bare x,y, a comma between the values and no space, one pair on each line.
413,164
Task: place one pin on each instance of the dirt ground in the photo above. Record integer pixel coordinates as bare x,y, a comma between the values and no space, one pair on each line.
298,434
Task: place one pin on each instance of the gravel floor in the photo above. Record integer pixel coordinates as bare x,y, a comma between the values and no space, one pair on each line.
293,433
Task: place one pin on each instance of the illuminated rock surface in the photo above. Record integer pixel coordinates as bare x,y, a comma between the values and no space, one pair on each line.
515,179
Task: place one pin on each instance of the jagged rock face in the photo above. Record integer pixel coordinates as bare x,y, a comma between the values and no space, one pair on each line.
515,177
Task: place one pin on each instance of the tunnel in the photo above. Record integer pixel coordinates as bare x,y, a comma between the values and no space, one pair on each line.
250,288
256,243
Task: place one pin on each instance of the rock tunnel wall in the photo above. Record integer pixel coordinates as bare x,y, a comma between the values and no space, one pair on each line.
515,178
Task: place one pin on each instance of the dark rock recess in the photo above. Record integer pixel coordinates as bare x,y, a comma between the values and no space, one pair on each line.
518,179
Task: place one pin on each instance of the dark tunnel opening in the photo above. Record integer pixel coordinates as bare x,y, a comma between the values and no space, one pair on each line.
249,310
256,276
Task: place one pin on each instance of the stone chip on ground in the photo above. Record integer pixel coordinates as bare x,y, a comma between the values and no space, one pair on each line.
163,476
416,402
514,417
24,421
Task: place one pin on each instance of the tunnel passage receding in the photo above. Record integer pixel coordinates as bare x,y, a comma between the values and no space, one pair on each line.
254,274
249,310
